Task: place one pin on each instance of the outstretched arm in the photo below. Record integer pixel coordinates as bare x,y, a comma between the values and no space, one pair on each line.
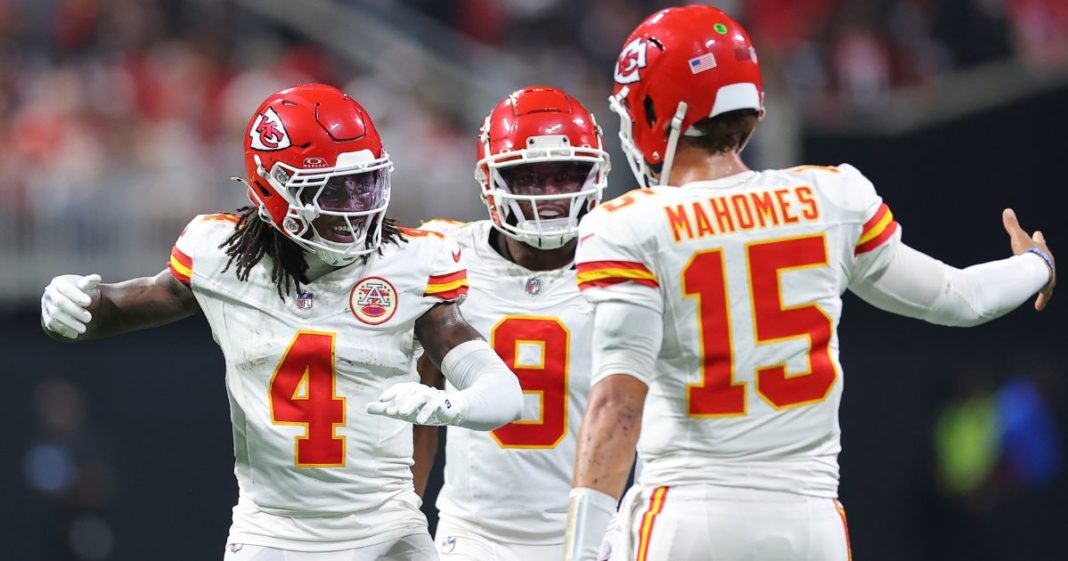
74,307
916,285
488,393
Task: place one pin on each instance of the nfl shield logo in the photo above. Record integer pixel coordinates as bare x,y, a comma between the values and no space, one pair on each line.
304,300
448,544
533,287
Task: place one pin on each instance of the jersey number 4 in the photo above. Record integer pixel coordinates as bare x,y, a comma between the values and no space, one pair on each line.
704,278
302,392
536,349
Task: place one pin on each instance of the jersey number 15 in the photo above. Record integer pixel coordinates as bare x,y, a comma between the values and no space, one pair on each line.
704,278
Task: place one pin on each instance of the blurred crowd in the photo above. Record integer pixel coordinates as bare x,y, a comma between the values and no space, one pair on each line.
119,112
135,108
822,53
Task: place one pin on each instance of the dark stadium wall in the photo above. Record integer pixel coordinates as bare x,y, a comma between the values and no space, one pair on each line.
153,452
947,186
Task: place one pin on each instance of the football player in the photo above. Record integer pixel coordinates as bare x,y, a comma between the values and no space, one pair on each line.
318,302
541,167
717,294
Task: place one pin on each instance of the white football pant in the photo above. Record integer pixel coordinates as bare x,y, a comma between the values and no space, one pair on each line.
458,541
416,547
706,523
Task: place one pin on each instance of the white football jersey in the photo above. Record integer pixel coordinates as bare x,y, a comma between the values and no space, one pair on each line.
316,472
748,273
513,483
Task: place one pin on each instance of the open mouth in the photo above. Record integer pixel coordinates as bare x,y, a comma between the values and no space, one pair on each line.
340,233
550,212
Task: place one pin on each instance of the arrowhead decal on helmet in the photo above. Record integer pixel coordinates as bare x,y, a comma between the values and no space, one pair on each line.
269,132
631,60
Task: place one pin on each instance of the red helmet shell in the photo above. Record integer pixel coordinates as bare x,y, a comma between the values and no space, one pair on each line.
694,54
305,127
539,124
536,111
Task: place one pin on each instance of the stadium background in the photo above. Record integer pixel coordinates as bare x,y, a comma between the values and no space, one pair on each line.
123,118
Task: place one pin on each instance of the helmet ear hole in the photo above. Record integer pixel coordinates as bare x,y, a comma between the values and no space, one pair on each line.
263,190
650,111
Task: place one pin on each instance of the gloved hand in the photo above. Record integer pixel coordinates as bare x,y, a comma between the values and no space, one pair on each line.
611,534
418,404
65,304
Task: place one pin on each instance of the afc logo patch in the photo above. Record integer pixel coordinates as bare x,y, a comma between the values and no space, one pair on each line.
373,300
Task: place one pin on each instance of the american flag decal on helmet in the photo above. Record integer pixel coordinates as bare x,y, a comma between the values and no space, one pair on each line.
701,63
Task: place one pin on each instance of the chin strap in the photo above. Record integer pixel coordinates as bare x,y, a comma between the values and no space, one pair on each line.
673,143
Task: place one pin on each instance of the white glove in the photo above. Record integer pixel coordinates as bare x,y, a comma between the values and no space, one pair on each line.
65,304
611,534
589,513
417,403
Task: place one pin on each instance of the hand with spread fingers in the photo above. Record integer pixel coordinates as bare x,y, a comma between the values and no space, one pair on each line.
65,305
1035,243
417,404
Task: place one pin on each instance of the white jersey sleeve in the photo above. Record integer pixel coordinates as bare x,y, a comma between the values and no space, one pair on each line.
612,259
195,259
877,232
447,281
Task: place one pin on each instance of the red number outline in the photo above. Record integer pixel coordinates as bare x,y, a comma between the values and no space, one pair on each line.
513,434
718,394
300,356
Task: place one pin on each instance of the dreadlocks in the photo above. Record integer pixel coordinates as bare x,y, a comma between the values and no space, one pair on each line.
253,238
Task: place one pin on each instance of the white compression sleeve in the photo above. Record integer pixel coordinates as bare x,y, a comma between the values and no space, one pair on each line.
489,394
919,286
626,340
589,513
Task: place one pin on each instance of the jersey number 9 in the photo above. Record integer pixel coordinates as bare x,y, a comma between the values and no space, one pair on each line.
536,349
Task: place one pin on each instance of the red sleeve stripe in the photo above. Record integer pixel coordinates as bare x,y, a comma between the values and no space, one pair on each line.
606,273
449,295
595,265
601,283
221,217
878,240
181,266
454,284
447,278
882,211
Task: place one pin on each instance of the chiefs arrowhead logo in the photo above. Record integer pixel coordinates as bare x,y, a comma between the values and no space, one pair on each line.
631,60
269,132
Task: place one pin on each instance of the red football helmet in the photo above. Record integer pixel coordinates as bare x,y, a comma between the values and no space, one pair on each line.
541,165
681,65
318,172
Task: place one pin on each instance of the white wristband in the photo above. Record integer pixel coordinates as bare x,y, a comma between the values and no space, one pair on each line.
589,513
